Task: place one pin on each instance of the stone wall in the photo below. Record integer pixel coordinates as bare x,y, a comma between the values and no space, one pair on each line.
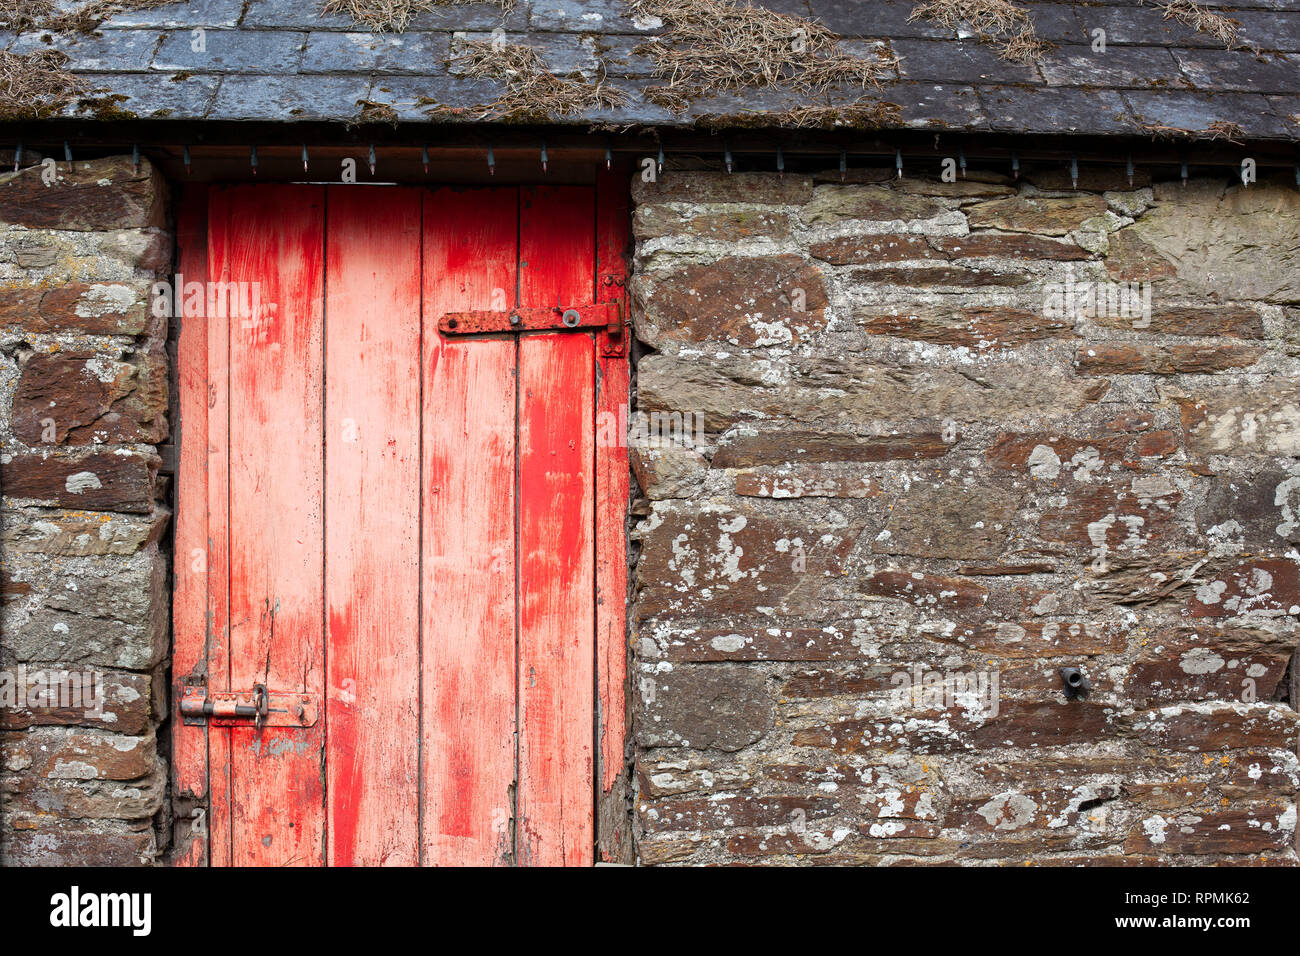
931,476
83,408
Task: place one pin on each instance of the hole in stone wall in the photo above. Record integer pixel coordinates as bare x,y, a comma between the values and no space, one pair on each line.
1288,687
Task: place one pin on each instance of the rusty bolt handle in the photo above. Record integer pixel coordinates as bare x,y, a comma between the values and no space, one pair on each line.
229,707
261,702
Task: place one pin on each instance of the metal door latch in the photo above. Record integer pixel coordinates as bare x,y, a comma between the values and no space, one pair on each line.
260,707
598,315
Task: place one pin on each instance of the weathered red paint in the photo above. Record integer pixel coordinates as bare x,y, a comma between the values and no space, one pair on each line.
556,534
190,593
276,470
470,259
372,526
405,526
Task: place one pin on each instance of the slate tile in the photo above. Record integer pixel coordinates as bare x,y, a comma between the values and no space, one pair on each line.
303,15
1240,70
1223,5
1119,67
870,49
1139,26
620,59
1196,111
959,61
415,53
634,109
945,105
121,51
795,8
151,96
1049,110
1291,5
233,51
412,96
742,107
292,15
1270,30
1233,4
874,18
290,98
738,102
1287,109
561,52
471,16
589,16
193,13
1057,22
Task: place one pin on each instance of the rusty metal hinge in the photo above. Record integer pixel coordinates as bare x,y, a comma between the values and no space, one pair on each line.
614,341
259,706
597,315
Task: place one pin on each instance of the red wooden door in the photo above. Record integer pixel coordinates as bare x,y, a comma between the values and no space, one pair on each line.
407,547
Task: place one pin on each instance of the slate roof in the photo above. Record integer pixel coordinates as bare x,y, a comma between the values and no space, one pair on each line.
279,60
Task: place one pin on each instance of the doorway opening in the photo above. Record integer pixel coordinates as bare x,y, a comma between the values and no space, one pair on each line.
399,619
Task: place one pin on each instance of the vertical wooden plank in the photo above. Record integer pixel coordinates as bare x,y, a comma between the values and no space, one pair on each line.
556,536
613,836
276,521
221,237
468,546
190,554
372,509
557,246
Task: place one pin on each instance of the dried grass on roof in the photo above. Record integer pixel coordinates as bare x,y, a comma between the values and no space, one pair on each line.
1225,129
35,85
531,91
999,22
23,15
1202,20
485,58
864,114
719,46
396,15
1219,129
90,15
371,111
